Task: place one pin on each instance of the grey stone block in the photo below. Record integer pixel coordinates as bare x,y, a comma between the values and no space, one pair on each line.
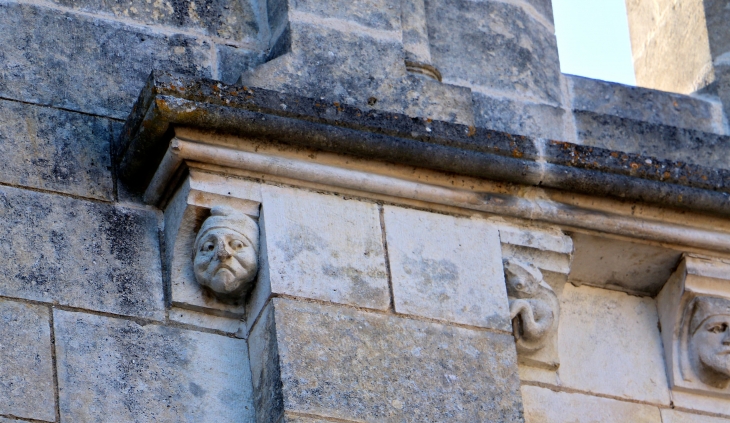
717,14
348,364
543,7
644,104
228,19
4,420
661,141
112,367
495,45
26,364
78,253
517,117
233,61
55,150
86,64
378,14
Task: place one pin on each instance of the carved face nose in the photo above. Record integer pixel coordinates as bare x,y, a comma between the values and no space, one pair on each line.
221,251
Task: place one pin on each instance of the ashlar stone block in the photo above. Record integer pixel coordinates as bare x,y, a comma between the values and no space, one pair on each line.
674,416
546,406
78,253
113,367
26,363
447,268
342,363
610,344
324,247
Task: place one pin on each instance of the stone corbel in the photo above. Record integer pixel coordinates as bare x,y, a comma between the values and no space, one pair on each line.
694,312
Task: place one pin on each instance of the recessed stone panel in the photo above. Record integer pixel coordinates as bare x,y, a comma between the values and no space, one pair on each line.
343,363
324,247
113,367
83,254
446,268
26,364
55,150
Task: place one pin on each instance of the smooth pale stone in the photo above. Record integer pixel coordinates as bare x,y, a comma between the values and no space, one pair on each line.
324,247
540,238
610,344
674,416
546,406
536,374
203,320
113,367
355,365
702,403
84,254
26,364
447,268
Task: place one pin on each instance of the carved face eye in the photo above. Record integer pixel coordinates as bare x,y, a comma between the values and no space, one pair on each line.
207,246
236,244
719,328
520,286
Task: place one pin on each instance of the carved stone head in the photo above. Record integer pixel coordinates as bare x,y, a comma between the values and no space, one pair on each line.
225,253
709,340
522,280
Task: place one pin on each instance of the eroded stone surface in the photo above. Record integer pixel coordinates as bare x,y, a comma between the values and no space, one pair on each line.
232,62
378,14
229,19
610,344
58,59
344,363
112,367
447,268
496,45
83,254
26,365
324,247
546,406
515,117
55,150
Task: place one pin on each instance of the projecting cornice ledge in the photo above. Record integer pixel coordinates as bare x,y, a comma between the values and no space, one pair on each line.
169,101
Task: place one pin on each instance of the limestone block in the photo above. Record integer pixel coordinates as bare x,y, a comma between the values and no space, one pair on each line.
495,45
4,420
519,117
701,403
55,150
324,247
664,108
610,344
717,14
376,14
546,406
83,254
208,321
112,367
26,364
674,416
348,364
544,8
655,140
233,61
231,20
57,59
446,268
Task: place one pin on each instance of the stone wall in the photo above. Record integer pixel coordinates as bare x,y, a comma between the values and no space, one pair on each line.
366,308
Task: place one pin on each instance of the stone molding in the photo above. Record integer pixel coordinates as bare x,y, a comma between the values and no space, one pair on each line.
694,313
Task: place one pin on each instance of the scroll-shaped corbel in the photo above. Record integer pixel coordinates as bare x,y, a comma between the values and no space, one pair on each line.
535,312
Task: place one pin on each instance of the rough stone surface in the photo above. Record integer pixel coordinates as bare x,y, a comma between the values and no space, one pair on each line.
446,268
543,7
661,141
4,420
229,19
324,247
378,14
717,14
610,344
26,365
112,367
644,104
546,406
495,45
203,320
517,117
55,150
343,363
673,416
233,61
83,254
86,64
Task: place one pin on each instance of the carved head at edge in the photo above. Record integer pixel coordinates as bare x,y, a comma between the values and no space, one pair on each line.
225,253
709,340
522,279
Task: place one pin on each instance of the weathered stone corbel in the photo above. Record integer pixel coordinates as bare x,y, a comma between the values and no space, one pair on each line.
694,313
535,313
